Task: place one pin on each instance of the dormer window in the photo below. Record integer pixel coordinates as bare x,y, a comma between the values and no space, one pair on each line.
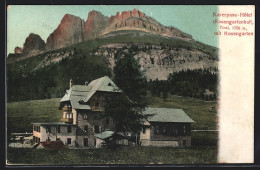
109,84
81,102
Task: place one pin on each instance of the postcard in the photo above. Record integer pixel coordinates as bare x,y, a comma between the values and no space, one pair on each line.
130,84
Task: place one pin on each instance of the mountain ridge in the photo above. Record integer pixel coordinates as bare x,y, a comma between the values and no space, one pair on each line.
72,29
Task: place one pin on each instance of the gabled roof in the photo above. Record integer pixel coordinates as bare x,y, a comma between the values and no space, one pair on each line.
168,115
83,93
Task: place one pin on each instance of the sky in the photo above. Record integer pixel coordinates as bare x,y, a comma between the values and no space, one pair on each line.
44,19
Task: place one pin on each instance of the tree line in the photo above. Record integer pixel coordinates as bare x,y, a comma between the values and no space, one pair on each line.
187,83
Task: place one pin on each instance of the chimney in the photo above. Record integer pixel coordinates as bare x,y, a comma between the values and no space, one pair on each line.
71,83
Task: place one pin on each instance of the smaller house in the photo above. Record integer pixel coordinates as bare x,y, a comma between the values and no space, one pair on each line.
112,138
166,127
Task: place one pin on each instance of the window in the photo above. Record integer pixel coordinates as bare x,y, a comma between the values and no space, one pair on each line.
173,130
96,129
37,128
85,142
107,121
85,116
156,130
163,130
86,129
58,129
68,141
96,104
144,130
69,129
57,139
48,129
184,130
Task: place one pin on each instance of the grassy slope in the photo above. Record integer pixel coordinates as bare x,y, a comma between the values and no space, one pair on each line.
22,114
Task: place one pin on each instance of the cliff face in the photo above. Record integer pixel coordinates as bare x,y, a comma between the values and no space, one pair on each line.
94,25
73,29
158,62
33,42
69,31
137,20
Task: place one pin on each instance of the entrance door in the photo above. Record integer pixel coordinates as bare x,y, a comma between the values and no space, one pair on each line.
85,142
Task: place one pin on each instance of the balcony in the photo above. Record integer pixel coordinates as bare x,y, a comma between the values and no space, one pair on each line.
97,109
67,120
67,108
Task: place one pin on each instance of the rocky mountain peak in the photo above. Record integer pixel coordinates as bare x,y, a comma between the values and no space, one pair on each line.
95,23
33,42
18,50
69,31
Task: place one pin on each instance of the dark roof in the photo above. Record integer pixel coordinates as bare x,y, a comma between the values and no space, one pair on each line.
168,115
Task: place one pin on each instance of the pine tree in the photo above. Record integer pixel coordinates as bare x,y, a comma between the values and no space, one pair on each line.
130,79
127,107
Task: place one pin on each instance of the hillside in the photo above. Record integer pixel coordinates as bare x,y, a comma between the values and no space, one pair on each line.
47,74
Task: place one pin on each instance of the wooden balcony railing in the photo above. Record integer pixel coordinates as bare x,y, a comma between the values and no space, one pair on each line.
68,120
98,109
